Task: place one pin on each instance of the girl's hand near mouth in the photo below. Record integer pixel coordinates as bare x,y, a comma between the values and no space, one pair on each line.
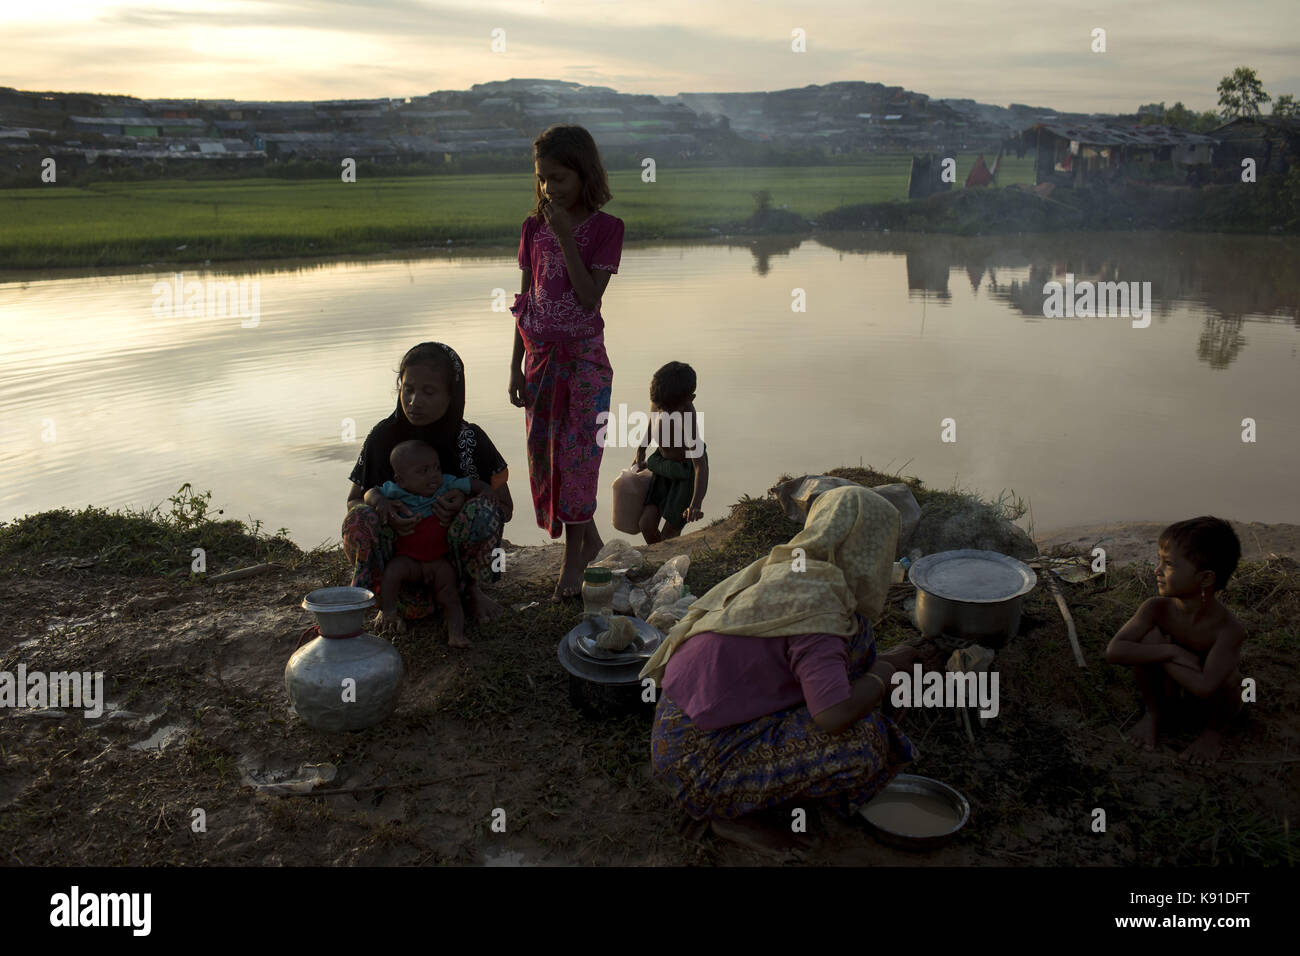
558,219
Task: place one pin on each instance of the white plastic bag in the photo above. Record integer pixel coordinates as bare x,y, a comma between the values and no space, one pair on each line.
664,589
666,617
618,555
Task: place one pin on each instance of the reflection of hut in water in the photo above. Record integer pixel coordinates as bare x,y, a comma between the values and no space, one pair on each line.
1094,152
926,177
927,272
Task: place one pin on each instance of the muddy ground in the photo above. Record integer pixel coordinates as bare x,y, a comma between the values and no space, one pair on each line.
196,670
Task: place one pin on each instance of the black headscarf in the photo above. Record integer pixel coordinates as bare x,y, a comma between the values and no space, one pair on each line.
445,434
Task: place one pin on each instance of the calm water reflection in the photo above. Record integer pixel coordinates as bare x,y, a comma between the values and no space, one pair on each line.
105,402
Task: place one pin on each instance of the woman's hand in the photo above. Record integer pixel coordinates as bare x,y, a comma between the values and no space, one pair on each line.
901,658
448,506
517,387
500,496
398,516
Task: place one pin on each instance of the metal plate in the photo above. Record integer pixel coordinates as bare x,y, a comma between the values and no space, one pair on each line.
582,642
972,576
598,672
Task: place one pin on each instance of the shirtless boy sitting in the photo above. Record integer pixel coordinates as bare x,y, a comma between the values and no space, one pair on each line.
1185,641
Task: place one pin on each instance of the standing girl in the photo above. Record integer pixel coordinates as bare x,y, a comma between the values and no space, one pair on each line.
560,374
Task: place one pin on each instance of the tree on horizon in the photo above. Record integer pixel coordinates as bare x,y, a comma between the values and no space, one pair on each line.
1241,93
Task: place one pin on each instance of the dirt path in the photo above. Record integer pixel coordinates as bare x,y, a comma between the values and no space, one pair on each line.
1129,541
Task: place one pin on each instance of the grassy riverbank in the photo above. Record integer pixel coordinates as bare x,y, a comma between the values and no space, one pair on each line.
108,224
493,728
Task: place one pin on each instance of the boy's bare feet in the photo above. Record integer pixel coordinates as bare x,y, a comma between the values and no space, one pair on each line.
481,607
456,637
1205,749
1143,736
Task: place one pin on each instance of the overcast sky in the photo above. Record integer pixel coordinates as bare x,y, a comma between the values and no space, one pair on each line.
996,51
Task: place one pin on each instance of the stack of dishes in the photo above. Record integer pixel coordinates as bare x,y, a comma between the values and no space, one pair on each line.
605,683
581,657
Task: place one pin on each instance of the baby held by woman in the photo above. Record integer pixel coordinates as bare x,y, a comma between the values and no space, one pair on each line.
422,555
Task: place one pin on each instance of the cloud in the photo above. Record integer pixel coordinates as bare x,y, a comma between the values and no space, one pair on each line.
1000,52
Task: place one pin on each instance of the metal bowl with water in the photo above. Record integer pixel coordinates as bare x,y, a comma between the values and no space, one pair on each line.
910,784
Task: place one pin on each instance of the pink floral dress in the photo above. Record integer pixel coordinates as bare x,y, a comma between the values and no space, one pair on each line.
567,373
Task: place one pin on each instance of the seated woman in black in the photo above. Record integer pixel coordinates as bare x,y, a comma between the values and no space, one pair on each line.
431,408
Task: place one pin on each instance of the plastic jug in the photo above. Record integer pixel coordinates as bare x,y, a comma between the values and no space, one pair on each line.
630,490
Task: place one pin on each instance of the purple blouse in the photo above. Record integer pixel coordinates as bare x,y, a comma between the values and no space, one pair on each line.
721,680
549,311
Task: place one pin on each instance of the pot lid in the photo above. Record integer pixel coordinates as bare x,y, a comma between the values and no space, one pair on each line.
972,576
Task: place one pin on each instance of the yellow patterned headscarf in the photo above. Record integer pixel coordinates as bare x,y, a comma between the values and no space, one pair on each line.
841,562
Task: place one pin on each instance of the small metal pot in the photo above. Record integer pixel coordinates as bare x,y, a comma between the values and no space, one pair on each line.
602,701
971,595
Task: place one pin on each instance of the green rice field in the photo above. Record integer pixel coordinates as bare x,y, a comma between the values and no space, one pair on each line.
183,221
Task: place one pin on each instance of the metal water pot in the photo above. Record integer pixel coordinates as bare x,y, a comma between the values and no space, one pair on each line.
318,674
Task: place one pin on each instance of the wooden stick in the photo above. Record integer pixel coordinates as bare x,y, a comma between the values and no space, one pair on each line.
1069,621
427,782
970,735
239,573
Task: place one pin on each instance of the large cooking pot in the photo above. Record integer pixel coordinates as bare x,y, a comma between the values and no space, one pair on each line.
971,595
316,674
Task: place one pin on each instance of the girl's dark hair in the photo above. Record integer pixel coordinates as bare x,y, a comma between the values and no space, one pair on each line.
445,362
672,385
572,146
1208,543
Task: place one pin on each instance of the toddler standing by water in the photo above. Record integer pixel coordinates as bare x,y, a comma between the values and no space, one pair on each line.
559,373
680,464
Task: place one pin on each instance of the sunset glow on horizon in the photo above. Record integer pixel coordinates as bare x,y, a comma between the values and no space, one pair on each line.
1014,51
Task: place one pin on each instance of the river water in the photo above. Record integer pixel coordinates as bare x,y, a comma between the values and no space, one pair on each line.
845,349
